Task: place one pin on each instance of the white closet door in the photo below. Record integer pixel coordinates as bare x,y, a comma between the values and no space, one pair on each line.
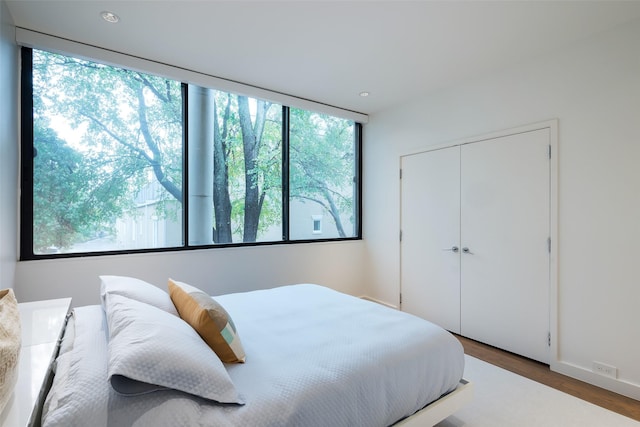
505,226
430,221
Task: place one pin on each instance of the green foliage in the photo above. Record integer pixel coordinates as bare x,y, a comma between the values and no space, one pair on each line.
127,132
268,162
71,197
133,121
322,163
127,126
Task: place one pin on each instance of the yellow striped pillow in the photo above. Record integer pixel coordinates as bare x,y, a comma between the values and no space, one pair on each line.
209,319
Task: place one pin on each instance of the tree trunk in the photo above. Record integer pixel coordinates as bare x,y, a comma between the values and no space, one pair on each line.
335,212
221,201
155,161
251,137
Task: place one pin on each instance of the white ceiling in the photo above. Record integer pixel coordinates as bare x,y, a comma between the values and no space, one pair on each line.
330,51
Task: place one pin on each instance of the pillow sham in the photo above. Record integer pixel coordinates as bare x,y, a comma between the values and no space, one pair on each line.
136,289
209,319
151,350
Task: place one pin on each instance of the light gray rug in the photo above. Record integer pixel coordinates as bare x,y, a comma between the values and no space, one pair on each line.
504,399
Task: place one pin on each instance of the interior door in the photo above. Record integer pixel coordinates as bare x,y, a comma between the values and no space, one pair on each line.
505,226
430,222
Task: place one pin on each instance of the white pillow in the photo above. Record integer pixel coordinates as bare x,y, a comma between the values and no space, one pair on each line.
138,290
150,350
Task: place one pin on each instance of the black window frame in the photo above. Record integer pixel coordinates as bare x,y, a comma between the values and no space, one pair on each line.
27,152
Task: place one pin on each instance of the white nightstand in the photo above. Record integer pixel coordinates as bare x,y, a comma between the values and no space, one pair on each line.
42,325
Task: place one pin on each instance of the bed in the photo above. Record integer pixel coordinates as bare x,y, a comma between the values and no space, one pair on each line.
310,356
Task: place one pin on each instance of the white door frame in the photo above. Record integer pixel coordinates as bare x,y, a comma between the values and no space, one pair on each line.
552,125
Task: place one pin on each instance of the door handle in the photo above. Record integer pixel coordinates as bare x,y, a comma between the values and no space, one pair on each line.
466,250
452,249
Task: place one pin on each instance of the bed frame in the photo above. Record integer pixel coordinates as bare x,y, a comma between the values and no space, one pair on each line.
440,409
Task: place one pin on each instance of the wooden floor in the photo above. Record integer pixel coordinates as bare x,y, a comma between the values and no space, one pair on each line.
541,373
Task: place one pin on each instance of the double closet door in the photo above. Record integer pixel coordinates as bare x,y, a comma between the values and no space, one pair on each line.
475,221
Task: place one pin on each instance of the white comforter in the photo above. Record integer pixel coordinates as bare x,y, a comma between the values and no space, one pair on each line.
315,357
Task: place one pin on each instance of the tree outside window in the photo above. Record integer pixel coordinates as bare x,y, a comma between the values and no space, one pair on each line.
113,151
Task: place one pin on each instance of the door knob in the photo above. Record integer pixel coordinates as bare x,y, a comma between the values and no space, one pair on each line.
467,251
452,249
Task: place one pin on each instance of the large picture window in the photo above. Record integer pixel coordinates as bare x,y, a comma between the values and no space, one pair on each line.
322,175
115,160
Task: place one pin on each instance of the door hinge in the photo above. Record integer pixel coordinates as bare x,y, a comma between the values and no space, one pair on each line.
401,298
549,244
549,151
549,339
400,173
401,235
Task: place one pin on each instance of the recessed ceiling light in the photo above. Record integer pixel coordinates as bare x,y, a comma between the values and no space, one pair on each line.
364,94
109,16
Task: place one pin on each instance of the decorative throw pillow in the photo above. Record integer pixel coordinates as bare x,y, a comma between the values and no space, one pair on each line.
209,319
151,350
136,289
10,343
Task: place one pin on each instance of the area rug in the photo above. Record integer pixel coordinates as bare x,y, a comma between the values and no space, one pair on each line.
505,399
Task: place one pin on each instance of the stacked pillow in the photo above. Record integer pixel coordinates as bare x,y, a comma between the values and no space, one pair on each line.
151,348
135,289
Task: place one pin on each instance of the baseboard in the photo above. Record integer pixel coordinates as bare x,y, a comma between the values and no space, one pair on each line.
615,385
386,304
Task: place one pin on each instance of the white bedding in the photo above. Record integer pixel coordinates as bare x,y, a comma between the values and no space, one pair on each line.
315,357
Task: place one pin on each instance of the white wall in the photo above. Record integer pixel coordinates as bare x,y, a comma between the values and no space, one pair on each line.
8,148
217,271
335,264
594,90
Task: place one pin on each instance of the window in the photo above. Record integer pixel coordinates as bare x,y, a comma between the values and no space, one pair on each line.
322,174
107,156
235,168
116,160
317,224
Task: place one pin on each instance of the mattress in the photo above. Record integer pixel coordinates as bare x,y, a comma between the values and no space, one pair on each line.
314,357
